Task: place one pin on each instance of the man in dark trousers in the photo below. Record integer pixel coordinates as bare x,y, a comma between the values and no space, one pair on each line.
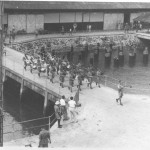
58,113
44,138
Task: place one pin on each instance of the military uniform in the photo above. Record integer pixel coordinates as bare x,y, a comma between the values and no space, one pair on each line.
89,79
71,81
79,81
98,75
44,137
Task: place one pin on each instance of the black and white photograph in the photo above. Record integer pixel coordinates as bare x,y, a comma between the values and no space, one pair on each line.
75,74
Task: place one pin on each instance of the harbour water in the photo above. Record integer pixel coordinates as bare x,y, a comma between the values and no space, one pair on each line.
18,108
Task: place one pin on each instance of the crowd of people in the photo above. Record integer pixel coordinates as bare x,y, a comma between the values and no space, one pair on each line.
53,66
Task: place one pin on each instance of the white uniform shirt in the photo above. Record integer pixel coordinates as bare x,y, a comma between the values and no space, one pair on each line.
72,103
62,102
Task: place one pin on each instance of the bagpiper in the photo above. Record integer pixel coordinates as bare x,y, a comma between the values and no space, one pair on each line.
98,76
71,81
79,81
38,66
89,75
61,77
52,73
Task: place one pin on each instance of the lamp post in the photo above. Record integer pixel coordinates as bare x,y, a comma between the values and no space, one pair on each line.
1,77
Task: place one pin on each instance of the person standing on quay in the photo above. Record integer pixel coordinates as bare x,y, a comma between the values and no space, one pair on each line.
72,106
44,138
145,56
63,108
58,113
120,92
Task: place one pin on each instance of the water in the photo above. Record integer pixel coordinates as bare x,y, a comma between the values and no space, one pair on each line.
21,108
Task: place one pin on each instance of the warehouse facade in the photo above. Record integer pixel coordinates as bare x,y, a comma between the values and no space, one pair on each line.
51,16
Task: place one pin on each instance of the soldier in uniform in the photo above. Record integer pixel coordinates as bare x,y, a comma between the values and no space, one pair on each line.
61,77
98,76
79,81
89,74
52,73
120,92
44,138
71,81
25,63
38,66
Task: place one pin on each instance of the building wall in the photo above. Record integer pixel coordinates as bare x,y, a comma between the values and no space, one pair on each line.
111,20
28,22
19,21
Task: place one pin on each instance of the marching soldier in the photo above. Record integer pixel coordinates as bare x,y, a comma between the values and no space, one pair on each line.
89,79
25,63
48,69
52,73
61,77
79,81
98,75
38,66
71,81
120,92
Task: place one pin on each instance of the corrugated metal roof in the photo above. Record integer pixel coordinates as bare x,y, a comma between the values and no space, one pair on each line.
143,18
74,5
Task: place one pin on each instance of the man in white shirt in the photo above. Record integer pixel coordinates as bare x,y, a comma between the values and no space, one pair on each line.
72,106
63,107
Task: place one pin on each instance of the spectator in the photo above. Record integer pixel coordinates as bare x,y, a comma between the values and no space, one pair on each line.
145,56
62,30
36,33
58,113
70,31
63,108
44,138
90,27
72,106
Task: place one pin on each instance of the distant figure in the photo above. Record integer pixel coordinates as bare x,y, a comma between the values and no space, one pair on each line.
74,27
90,28
62,30
120,92
70,31
145,56
44,138
36,33
126,28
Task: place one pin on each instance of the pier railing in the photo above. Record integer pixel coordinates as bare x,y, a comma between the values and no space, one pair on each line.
27,128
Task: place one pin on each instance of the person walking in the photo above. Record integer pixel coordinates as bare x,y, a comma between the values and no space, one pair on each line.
58,113
98,76
72,106
120,92
63,108
44,138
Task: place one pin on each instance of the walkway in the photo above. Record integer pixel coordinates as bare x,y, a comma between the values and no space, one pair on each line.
13,60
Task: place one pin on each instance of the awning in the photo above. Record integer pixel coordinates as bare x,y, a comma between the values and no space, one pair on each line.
143,18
